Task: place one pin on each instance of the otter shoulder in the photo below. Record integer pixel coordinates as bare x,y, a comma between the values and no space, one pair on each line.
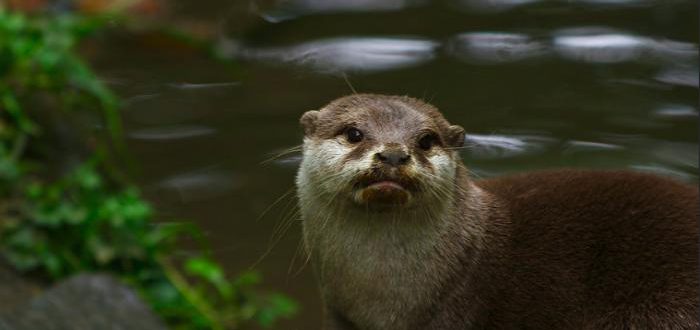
573,185
577,201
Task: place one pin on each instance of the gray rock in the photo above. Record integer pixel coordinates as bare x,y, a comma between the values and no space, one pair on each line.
14,290
84,302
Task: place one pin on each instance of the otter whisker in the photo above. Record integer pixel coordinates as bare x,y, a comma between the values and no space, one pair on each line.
300,250
347,81
290,212
279,199
291,150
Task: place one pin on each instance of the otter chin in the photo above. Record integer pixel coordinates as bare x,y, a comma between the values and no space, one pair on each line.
401,237
382,194
382,191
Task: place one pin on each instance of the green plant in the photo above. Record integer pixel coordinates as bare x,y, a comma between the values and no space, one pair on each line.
86,219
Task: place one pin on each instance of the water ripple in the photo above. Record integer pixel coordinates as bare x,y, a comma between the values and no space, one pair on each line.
665,170
503,146
349,54
680,76
493,5
605,45
676,111
291,9
204,85
196,185
590,46
495,47
575,146
171,133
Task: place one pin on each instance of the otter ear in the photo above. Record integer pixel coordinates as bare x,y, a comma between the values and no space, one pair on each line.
455,136
308,122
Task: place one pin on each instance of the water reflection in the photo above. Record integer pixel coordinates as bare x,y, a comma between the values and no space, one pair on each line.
615,2
194,186
676,111
373,54
171,133
495,47
281,10
680,76
493,5
138,98
664,170
348,54
503,146
203,85
681,154
646,123
604,45
576,146
672,51
502,5
590,45
175,104
289,9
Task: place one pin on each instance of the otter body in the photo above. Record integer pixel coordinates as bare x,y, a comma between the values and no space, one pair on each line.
401,238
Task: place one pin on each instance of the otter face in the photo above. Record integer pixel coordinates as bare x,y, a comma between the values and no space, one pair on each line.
378,152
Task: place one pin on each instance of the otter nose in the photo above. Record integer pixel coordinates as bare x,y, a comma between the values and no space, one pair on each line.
393,157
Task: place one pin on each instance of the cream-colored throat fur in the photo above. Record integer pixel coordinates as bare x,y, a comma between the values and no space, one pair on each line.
379,269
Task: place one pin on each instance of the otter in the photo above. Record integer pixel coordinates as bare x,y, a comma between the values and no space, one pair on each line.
401,237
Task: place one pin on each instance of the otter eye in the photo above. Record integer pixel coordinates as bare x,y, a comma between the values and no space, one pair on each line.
427,141
353,135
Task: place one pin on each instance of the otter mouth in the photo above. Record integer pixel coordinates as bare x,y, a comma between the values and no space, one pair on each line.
381,190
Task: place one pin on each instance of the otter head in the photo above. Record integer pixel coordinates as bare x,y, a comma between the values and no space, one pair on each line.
379,153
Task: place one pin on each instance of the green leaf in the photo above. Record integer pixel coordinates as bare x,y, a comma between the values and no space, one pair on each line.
53,264
22,261
204,268
14,22
24,239
247,279
211,272
277,306
87,178
12,106
102,252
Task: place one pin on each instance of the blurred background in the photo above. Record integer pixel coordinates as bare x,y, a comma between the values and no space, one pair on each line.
211,92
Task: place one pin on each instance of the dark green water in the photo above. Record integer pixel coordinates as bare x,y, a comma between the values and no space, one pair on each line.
537,84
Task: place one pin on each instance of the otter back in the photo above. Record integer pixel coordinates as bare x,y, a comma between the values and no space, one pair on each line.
582,250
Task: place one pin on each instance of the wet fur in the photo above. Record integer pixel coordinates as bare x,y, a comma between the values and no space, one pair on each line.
563,249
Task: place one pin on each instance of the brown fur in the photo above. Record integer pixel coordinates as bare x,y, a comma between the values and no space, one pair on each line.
573,249
565,249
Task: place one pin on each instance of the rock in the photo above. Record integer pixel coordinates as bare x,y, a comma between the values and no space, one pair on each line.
14,290
84,302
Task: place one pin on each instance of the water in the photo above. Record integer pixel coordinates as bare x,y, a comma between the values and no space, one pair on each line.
536,84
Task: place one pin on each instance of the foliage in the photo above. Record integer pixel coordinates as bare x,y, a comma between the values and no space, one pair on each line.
86,219
37,55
